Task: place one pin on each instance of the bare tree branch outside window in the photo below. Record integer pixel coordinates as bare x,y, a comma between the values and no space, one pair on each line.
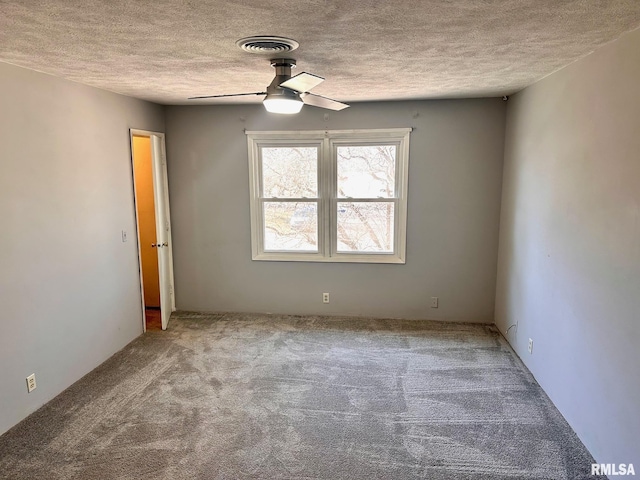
330,195
366,173
290,173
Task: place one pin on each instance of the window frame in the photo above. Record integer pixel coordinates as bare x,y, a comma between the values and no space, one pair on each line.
327,142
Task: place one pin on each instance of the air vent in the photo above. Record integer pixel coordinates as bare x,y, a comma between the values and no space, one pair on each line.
268,45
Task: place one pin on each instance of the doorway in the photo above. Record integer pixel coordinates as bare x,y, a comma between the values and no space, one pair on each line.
153,228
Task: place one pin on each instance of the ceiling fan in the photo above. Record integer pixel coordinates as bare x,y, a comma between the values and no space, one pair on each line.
287,94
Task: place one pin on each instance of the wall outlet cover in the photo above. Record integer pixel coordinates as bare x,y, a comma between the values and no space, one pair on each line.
31,382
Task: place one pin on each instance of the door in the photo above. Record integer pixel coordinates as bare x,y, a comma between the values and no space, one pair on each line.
163,229
157,213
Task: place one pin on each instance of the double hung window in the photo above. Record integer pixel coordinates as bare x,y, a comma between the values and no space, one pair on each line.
329,196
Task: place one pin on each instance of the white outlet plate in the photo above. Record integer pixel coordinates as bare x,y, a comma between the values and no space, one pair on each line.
325,298
531,346
434,302
31,382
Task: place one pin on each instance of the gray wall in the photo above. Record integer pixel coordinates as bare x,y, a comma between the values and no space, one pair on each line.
455,176
69,288
569,264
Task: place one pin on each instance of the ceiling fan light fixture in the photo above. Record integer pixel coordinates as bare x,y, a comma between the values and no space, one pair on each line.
284,104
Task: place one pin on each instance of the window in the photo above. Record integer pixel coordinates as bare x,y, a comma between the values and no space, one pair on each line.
329,196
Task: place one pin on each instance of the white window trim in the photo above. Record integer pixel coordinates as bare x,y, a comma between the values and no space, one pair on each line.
327,141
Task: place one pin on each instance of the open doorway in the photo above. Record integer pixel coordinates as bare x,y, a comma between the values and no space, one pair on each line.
153,228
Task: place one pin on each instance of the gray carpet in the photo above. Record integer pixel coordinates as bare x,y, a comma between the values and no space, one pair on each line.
283,397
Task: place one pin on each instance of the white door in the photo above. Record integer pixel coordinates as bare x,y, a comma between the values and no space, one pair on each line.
163,228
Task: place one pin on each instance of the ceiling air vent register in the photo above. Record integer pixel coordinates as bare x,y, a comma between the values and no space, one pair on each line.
270,45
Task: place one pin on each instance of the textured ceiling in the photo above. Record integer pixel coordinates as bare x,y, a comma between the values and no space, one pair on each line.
166,51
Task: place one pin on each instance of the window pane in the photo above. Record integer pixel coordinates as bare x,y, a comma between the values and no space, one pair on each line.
290,172
291,226
367,171
366,227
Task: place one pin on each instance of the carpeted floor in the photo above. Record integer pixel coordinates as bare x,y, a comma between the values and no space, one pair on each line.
153,318
235,396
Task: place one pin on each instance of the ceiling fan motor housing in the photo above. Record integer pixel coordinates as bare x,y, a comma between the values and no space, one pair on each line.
283,68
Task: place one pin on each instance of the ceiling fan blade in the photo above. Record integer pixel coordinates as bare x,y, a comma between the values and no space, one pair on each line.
230,95
303,82
322,102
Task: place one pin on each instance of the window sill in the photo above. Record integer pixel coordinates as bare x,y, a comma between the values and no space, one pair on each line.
337,258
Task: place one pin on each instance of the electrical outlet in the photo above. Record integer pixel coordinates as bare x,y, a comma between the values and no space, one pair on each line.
434,302
325,298
531,346
31,382
124,236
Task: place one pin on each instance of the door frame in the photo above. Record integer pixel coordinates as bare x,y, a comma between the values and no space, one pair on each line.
160,160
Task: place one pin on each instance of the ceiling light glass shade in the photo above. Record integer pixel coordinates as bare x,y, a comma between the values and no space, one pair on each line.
283,104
